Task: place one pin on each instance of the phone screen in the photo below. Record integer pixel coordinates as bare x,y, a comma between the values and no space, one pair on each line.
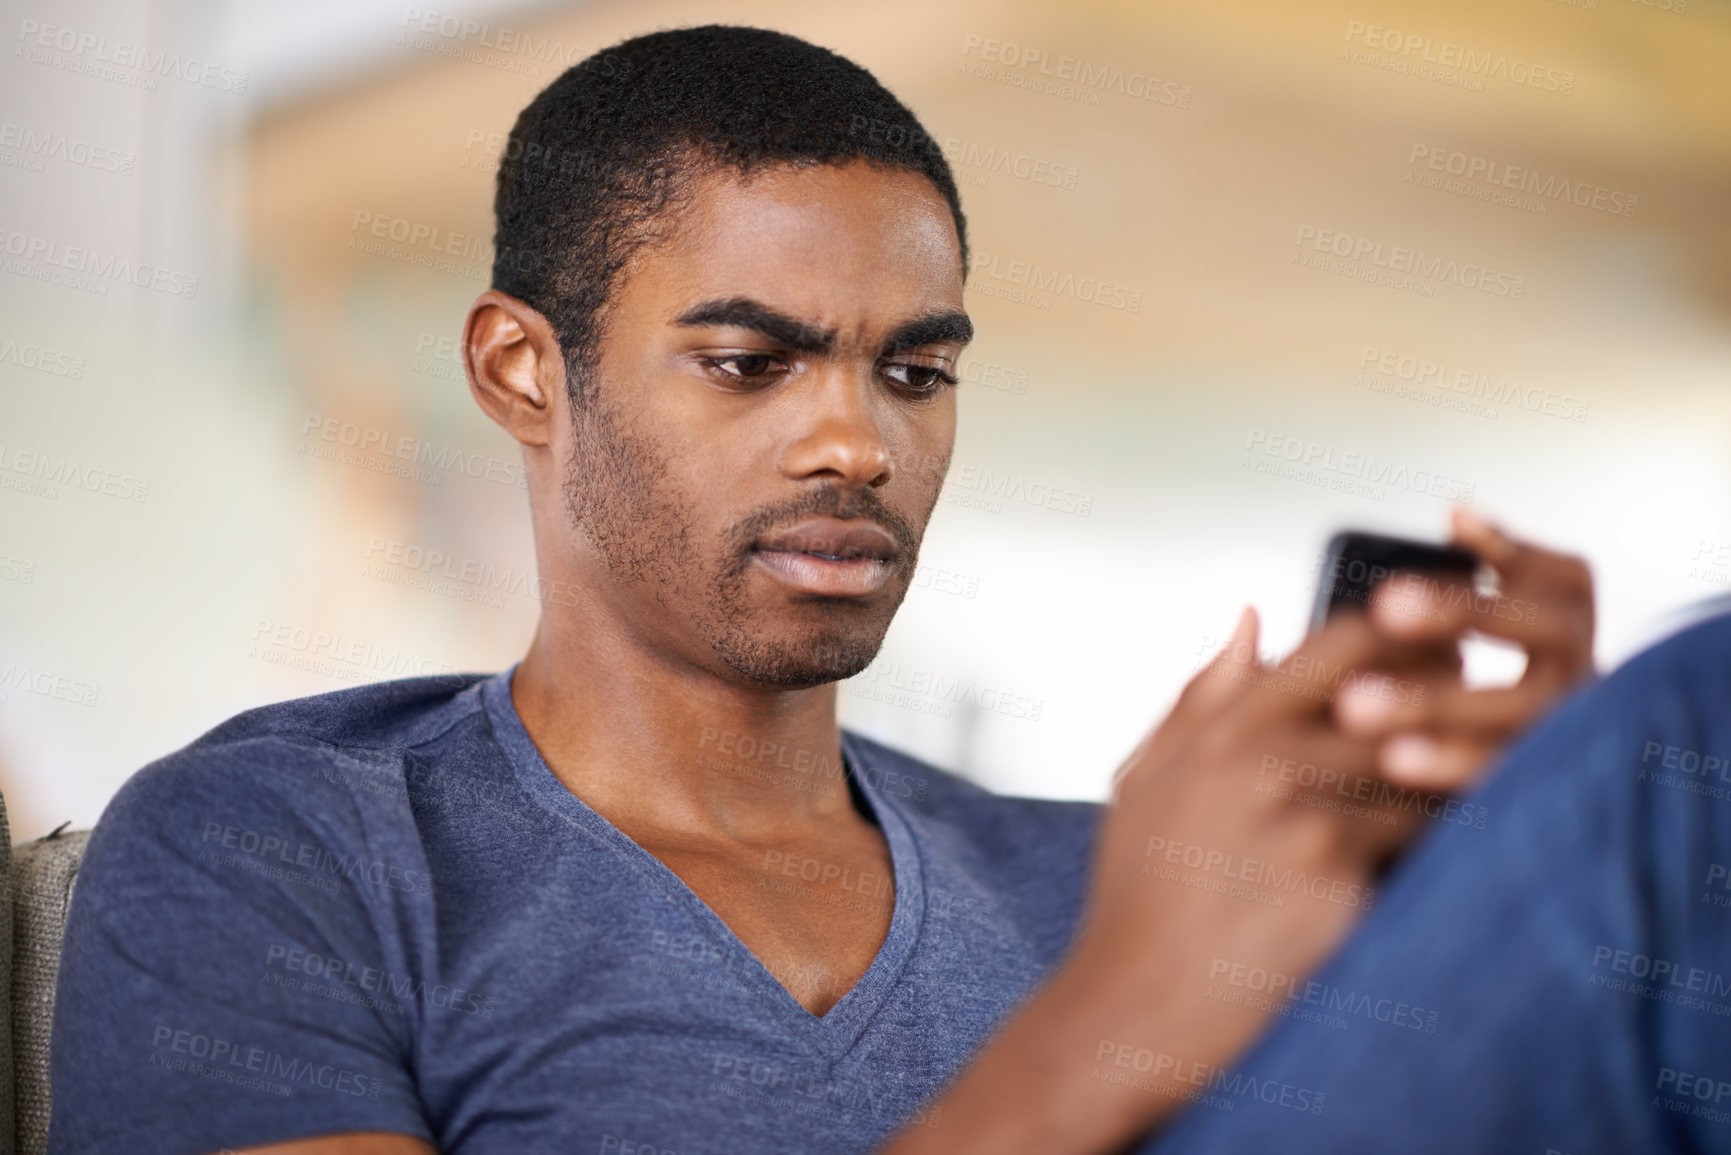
1356,561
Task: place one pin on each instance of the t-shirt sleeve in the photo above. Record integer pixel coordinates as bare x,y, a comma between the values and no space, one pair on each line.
224,980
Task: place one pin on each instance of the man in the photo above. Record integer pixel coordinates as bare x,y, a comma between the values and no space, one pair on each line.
640,893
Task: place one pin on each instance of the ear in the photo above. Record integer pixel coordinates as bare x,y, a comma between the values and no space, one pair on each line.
515,368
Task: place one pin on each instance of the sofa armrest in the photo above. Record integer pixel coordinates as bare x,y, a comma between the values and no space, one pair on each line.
42,876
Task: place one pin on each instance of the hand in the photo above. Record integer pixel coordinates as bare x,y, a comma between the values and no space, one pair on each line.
1199,808
1203,857
1444,739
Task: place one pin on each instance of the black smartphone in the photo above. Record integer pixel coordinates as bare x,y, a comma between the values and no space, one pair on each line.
1356,561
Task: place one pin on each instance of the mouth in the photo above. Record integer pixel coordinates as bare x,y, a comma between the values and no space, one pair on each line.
828,557
816,573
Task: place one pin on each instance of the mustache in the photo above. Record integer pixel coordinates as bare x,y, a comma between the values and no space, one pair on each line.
830,501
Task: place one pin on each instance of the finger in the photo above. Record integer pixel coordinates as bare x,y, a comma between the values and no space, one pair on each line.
1421,611
1440,765
1305,681
1372,703
1440,614
1207,693
1450,709
1538,617
1434,663
1522,566
1220,680
1417,606
1498,550
1391,699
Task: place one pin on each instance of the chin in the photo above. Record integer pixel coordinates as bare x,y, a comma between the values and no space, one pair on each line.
800,662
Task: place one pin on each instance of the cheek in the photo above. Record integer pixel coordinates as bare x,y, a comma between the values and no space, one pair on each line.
921,447
700,464
700,479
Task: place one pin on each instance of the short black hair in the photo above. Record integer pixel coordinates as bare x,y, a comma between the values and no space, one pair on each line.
602,153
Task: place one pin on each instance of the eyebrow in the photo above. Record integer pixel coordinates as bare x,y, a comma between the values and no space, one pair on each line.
949,325
745,313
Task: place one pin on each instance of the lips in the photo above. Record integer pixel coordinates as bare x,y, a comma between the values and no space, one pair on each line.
828,556
832,539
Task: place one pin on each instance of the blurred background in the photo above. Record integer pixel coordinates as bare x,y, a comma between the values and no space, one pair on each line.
1364,259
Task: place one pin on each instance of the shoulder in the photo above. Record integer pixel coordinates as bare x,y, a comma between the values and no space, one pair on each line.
333,765
384,715
213,878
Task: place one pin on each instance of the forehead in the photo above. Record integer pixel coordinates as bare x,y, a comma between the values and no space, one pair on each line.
851,244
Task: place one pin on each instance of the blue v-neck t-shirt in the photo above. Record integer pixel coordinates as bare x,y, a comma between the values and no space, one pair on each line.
378,910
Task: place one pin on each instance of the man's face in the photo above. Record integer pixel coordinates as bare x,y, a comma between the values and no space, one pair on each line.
770,423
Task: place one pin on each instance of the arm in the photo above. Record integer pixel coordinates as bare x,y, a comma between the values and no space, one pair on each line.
177,1016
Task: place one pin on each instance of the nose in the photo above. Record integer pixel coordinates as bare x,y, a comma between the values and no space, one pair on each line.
840,438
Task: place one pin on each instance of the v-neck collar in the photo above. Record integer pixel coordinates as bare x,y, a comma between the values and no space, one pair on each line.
832,1033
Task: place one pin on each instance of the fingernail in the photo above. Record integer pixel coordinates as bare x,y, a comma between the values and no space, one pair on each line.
1360,708
1475,521
1410,756
1241,646
1402,600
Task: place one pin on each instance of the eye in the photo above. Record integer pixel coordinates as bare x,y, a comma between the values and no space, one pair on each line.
744,366
923,380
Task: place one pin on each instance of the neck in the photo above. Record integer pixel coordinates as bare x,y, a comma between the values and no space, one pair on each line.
654,743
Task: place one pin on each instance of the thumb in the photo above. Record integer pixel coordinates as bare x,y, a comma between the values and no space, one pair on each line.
1212,687
1242,647
1222,676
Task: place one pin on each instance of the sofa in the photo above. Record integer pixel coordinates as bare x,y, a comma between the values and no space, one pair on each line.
38,877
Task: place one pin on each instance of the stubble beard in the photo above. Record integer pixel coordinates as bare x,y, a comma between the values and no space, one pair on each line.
620,495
